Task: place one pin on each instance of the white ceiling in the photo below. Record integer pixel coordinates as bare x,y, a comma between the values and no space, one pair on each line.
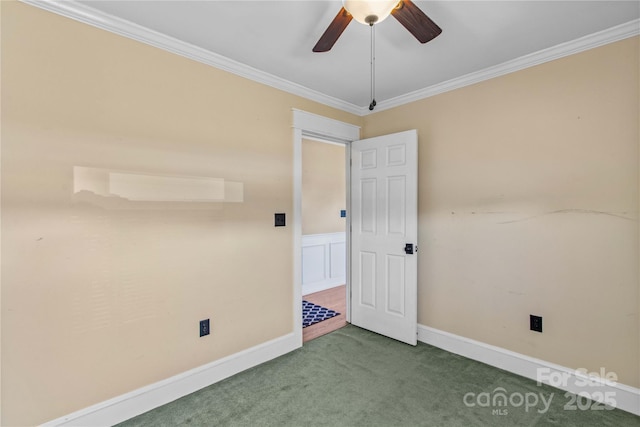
276,37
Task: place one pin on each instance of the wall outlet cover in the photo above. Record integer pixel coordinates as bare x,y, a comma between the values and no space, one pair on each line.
535,323
204,327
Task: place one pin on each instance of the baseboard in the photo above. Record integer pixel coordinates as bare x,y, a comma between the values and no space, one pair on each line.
312,288
134,403
625,397
144,399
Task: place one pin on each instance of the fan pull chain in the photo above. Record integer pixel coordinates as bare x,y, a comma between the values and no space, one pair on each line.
373,67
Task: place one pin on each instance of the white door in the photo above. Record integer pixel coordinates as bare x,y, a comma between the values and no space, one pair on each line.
384,222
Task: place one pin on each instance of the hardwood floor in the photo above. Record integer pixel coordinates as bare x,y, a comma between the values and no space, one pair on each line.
335,299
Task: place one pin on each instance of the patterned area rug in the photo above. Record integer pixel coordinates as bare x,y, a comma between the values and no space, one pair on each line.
313,313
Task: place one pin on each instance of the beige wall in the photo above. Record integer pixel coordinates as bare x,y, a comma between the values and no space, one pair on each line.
101,296
528,204
323,187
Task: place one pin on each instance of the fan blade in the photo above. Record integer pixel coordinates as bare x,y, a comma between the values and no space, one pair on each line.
414,20
334,30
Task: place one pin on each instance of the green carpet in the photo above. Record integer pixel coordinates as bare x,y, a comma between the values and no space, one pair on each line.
353,377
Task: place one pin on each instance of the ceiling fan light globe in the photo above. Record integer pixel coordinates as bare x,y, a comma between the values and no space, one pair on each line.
364,11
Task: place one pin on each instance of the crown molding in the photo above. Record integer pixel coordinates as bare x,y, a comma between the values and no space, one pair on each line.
613,34
88,15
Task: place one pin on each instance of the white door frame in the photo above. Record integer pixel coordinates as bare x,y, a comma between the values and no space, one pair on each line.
313,126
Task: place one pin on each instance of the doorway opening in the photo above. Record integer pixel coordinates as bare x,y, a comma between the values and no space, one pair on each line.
324,239
312,126
382,294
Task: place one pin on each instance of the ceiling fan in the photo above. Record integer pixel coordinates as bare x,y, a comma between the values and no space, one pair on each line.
374,11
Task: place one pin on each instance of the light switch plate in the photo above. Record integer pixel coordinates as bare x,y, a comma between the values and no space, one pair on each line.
280,220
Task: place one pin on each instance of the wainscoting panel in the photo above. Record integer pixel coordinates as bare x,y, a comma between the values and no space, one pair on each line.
324,260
